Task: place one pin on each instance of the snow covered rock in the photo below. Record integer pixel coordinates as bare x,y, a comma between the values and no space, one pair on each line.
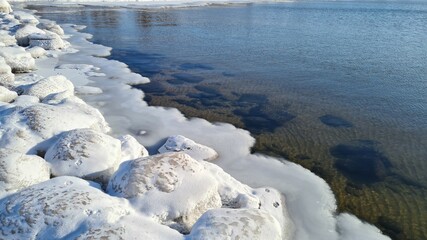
26,17
72,208
36,52
131,148
6,38
18,59
197,151
172,188
24,101
84,153
18,171
50,85
6,76
244,224
5,7
23,33
47,41
51,26
6,95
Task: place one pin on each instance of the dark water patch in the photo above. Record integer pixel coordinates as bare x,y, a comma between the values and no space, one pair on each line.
253,98
361,162
182,78
228,74
147,64
256,121
391,228
153,87
195,66
334,121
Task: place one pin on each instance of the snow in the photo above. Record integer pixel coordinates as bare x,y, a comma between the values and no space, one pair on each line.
18,171
6,38
36,52
47,41
6,95
197,151
243,195
18,59
50,85
23,33
5,7
84,153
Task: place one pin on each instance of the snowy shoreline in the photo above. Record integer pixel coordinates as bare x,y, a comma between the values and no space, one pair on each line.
158,192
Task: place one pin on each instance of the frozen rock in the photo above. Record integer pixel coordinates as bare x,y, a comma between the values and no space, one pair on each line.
26,17
5,7
6,76
172,188
197,151
50,85
84,153
18,171
36,52
18,59
24,101
47,41
131,148
72,208
6,95
51,26
244,224
49,120
23,33
6,38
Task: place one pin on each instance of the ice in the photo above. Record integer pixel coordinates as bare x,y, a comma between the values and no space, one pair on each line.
197,151
18,59
6,95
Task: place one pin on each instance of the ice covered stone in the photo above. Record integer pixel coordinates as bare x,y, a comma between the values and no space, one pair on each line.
51,26
6,76
5,7
24,32
50,85
84,153
47,41
72,208
18,171
36,52
6,95
197,151
172,188
243,224
131,148
18,59
6,38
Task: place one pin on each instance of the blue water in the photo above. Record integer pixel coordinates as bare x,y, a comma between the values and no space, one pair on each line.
341,82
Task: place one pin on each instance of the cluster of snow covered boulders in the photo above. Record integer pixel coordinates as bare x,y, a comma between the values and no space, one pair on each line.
63,176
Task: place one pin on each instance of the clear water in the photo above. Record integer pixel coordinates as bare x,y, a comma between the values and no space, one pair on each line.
339,87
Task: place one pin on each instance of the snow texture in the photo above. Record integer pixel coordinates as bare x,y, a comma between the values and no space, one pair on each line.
18,171
84,153
197,151
18,59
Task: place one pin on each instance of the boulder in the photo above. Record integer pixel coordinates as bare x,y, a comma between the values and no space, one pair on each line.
243,224
18,171
72,208
5,7
84,153
172,188
6,95
50,85
47,41
51,26
131,148
6,38
36,52
197,151
18,59
6,76
24,32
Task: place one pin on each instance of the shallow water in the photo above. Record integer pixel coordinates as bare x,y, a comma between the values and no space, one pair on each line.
337,87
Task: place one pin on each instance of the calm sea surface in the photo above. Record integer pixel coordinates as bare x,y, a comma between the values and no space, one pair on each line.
339,87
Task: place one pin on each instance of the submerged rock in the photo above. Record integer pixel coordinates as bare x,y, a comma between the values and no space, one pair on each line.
84,153
18,171
172,188
197,151
244,224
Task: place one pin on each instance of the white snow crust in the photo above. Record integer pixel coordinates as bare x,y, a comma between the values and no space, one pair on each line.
197,151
